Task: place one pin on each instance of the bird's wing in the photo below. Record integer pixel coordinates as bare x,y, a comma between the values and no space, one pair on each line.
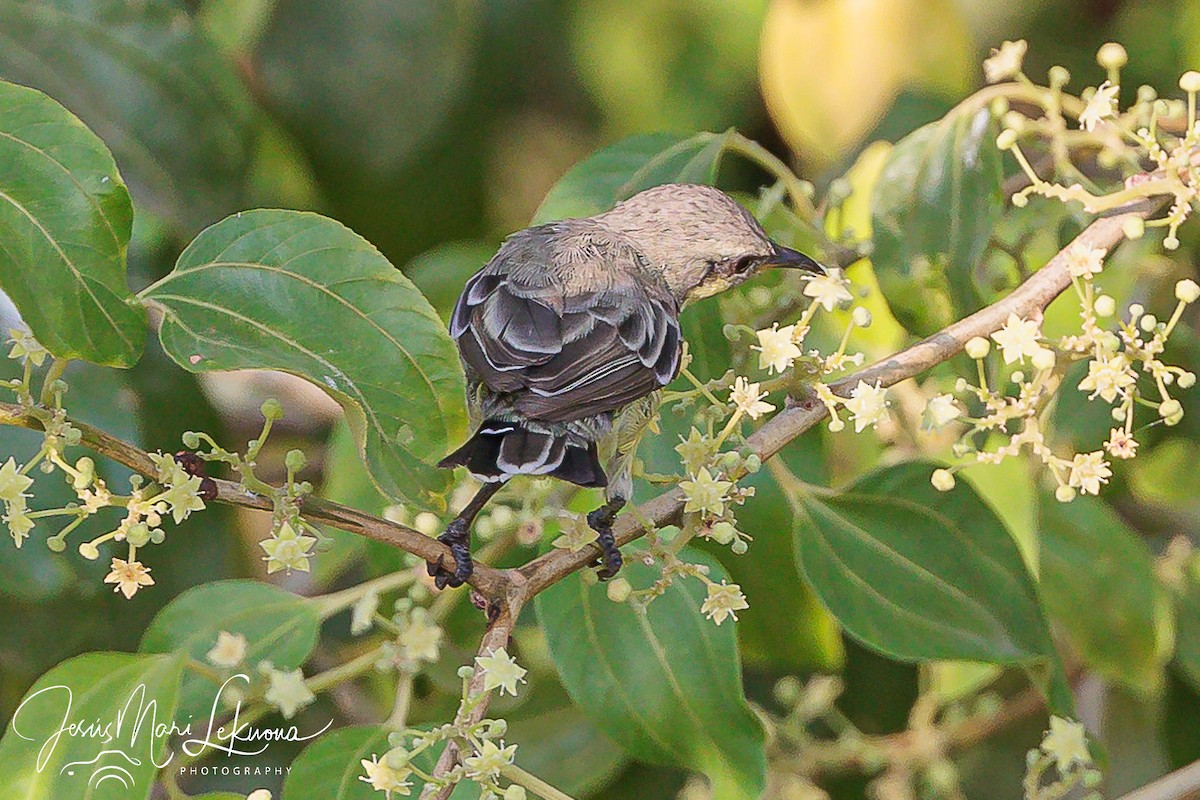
566,326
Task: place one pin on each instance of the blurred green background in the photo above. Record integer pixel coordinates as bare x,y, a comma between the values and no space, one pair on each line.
433,128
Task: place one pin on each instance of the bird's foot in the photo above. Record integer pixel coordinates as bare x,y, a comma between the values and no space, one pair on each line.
601,521
457,537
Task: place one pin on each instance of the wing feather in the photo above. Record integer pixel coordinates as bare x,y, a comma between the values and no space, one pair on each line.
525,326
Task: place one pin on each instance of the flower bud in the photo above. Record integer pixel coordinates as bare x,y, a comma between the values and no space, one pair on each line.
1187,380
861,317
138,534
1112,56
723,533
271,409
1187,291
1171,411
788,690
1136,310
1019,200
1171,242
1059,76
397,758
1133,228
942,480
191,439
1105,306
259,794
295,460
589,577
464,672
739,547
978,347
619,590
427,523
1006,139
515,791
89,551
1190,81
1064,494
56,545
1147,94
1044,359
1118,414
1148,323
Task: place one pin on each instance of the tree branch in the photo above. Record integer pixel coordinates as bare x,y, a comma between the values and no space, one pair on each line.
490,582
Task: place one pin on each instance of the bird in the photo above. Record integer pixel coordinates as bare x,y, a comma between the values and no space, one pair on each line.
569,333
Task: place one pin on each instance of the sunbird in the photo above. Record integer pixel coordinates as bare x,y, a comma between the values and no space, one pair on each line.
569,333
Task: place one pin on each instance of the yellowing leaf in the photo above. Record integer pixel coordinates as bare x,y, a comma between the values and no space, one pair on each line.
830,70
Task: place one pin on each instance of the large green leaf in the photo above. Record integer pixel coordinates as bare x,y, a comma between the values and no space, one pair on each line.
330,767
1099,585
920,575
932,213
623,169
65,221
279,627
130,694
169,105
298,292
666,684
562,748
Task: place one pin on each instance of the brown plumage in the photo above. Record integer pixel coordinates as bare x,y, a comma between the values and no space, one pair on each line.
570,330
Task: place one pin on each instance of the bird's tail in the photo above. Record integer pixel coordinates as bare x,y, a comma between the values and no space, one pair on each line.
499,450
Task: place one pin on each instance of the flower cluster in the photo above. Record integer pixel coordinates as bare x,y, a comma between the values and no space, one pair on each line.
1124,370
487,756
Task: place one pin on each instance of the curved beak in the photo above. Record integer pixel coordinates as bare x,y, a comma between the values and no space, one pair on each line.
787,258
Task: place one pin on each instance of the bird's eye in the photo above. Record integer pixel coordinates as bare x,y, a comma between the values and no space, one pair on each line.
745,263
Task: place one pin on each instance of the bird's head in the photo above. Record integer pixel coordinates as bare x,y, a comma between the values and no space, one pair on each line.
701,238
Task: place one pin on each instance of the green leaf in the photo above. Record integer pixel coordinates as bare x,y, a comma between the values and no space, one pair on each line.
1187,642
919,575
623,169
65,221
933,211
279,627
161,95
330,767
664,684
95,689
298,292
562,748
410,63
785,628
1099,585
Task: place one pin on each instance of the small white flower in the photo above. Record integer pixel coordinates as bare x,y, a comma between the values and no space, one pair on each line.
1005,62
362,616
500,671
776,349
1120,444
421,639
1083,261
1101,105
723,600
1108,378
1088,471
1066,742
287,691
12,483
490,759
383,778
17,519
287,550
229,650
705,494
748,399
1018,338
183,498
576,533
867,405
941,411
129,576
828,290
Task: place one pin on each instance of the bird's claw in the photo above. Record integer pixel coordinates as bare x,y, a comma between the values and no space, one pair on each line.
601,522
457,538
